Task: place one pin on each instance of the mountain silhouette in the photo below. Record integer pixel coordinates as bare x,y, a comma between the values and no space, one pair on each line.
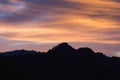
63,49
62,62
85,50
19,52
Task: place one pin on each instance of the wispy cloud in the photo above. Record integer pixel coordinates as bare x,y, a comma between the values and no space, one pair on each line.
61,20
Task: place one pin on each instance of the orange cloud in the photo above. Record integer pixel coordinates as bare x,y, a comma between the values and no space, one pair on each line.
61,20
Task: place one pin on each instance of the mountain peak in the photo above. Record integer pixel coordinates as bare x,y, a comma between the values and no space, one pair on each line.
85,50
62,48
64,44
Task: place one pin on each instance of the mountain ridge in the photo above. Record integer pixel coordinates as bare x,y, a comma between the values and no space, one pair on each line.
62,62
60,48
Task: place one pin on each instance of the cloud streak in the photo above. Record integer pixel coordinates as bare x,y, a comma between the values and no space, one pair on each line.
95,21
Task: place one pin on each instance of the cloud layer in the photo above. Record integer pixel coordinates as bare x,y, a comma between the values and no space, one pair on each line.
95,21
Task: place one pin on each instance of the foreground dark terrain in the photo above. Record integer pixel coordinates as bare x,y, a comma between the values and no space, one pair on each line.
60,63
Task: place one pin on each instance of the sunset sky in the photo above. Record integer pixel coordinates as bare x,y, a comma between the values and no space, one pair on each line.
41,24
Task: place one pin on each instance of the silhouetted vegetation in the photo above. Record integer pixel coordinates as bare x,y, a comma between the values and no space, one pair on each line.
60,63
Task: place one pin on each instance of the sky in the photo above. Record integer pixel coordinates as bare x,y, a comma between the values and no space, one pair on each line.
42,24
